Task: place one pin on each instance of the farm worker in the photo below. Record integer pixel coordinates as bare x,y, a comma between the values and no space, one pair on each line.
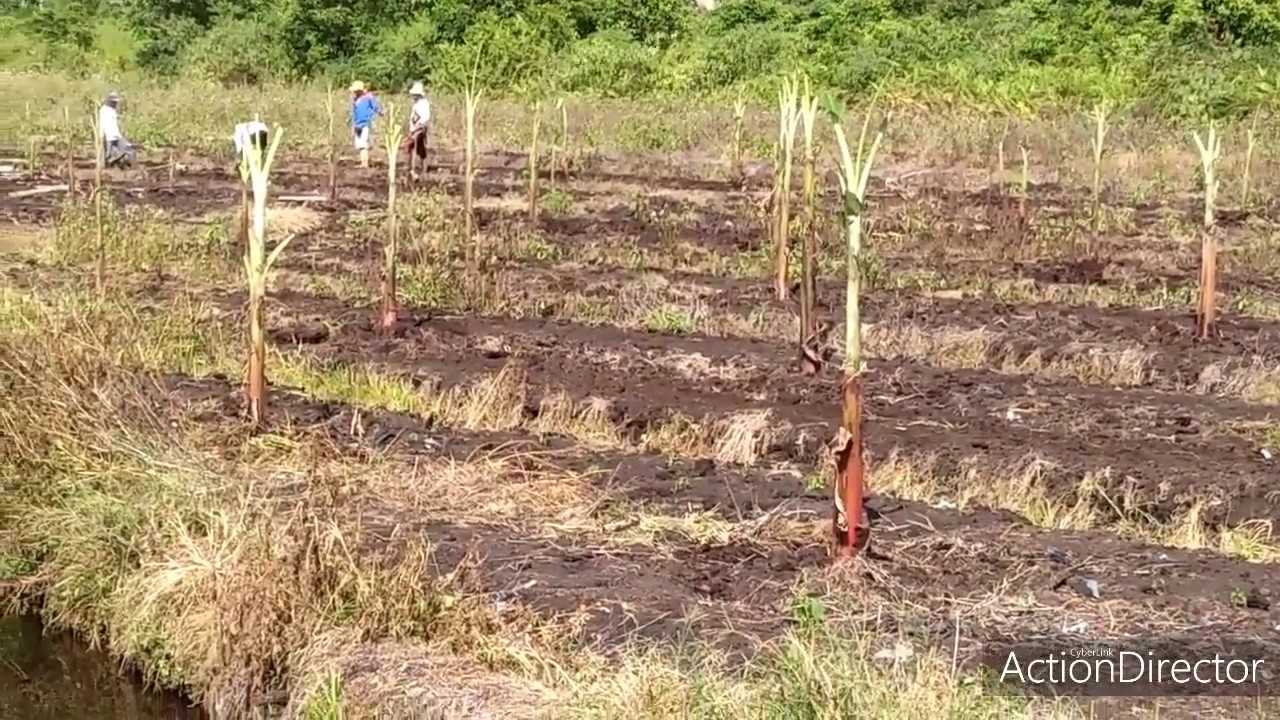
364,106
115,149
419,120
249,133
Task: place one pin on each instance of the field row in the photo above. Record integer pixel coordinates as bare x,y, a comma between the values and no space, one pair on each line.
924,235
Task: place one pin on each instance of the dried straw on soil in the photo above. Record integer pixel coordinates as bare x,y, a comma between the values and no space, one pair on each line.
411,680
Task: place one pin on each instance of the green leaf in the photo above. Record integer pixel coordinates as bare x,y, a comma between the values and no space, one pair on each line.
853,205
833,107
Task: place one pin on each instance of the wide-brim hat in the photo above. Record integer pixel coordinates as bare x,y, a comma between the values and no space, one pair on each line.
356,86
111,97
417,89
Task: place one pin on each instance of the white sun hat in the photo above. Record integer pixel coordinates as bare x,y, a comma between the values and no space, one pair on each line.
417,89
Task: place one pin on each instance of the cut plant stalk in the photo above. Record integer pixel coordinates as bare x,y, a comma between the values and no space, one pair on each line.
1004,137
739,117
850,527
473,94
70,133
391,140
1100,129
246,209
1210,148
788,119
533,164
255,172
810,353
1251,139
1265,91
333,145
99,162
560,147
1025,182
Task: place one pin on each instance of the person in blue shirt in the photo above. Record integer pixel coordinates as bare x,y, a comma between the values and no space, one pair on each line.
364,107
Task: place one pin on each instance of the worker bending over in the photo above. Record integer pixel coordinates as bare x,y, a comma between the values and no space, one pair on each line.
116,151
419,120
250,133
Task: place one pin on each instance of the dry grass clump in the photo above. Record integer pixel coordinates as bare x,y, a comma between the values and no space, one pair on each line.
1255,379
689,365
1096,502
945,347
293,219
1088,363
338,675
589,422
983,349
819,671
742,437
532,488
206,572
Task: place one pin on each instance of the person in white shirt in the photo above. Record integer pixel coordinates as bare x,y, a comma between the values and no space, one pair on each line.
116,150
419,121
249,133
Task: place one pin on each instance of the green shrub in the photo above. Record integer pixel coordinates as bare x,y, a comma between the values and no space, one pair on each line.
610,64
1168,57
238,52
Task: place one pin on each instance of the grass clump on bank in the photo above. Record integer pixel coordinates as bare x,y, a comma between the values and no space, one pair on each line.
204,572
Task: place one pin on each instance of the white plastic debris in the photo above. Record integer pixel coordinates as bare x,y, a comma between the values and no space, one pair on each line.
1010,415
943,504
1266,454
1076,628
1090,588
40,190
503,599
897,653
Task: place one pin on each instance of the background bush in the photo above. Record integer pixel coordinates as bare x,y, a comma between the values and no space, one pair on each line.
1168,57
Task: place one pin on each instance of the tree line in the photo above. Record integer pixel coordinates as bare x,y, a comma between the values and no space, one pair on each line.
1169,57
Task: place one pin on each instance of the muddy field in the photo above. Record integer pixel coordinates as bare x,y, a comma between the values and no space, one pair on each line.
1019,356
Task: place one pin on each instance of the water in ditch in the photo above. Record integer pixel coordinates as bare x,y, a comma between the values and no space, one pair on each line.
55,676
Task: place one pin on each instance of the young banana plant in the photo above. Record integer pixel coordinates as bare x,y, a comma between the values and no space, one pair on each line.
1100,115
255,171
533,163
100,161
473,94
739,118
810,354
850,527
1210,148
788,121
392,139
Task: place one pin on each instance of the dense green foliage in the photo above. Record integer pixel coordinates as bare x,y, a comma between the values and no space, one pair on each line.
1173,57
